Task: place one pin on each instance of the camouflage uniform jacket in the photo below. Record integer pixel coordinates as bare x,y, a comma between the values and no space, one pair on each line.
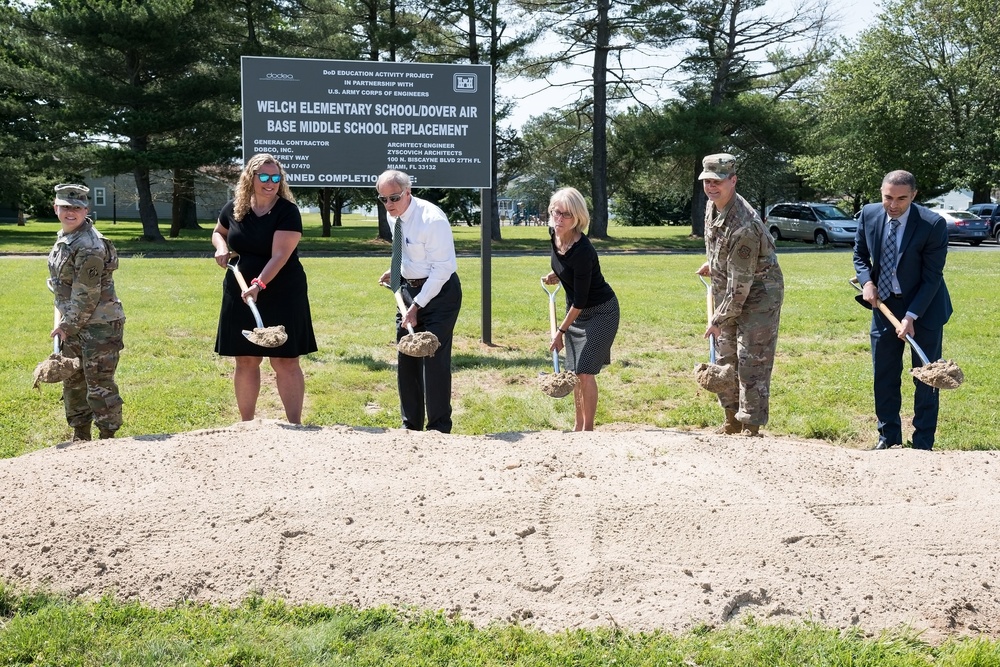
745,271
81,264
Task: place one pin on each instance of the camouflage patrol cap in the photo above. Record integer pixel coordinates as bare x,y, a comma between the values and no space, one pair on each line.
70,194
718,166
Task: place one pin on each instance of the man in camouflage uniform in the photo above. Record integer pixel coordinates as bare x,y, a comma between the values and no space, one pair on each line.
92,321
748,289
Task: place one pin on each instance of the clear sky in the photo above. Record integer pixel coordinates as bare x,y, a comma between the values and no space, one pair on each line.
536,98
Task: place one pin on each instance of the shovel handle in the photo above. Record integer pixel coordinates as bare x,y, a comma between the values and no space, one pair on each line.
56,319
710,310
552,320
249,299
401,305
884,309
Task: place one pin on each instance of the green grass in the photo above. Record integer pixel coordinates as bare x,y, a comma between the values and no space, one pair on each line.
357,235
44,630
172,381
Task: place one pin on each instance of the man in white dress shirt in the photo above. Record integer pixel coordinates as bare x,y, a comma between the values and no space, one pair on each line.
433,292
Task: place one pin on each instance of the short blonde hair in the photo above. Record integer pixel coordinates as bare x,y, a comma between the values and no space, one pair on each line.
244,189
570,199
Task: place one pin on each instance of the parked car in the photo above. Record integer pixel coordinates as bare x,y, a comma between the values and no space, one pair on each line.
806,221
991,214
964,226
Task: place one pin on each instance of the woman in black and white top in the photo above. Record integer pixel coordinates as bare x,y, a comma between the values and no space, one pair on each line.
592,314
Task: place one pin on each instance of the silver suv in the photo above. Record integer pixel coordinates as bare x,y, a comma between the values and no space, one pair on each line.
806,221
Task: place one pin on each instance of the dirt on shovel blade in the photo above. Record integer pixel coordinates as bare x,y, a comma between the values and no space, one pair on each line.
55,369
419,344
713,377
268,336
558,385
940,374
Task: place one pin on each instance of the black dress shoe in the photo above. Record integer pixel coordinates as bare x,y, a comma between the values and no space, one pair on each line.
882,444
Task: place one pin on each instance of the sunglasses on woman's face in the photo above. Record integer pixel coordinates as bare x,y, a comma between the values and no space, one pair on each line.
274,178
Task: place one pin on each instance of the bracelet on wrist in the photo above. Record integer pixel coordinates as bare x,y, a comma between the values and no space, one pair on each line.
259,283
563,330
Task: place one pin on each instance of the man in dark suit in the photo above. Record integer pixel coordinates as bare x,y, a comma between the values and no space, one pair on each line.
899,255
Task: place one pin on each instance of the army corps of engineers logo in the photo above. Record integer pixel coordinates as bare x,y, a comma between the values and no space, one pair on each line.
465,83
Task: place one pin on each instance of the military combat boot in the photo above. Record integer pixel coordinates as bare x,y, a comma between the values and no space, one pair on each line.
81,432
732,426
751,430
105,433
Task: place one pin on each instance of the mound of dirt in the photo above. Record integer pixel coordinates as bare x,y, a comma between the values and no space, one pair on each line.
640,528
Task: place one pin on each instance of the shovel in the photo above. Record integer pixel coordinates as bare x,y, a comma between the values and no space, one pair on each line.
56,367
422,344
711,376
558,384
939,374
262,336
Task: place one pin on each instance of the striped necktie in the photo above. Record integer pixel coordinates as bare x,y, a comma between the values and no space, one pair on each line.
396,265
887,263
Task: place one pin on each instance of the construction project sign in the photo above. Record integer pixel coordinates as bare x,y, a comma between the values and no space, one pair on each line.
341,123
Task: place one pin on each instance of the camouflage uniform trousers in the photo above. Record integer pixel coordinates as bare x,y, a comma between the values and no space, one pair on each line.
749,346
91,394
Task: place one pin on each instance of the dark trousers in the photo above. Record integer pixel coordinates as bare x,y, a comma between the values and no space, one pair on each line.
887,361
426,381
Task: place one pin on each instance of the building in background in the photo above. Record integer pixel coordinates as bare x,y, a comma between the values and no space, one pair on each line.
115,197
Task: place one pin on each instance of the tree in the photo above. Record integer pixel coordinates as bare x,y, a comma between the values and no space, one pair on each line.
139,80
739,49
466,23
604,32
916,92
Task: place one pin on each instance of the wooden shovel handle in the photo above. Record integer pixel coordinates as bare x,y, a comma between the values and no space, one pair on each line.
239,277
401,305
884,309
878,304
56,321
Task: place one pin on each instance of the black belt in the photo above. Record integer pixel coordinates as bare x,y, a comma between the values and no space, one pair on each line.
896,296
416,283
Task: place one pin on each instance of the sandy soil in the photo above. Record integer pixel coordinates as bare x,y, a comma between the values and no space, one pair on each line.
640,528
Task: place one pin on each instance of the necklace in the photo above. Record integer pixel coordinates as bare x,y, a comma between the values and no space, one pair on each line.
563,245
259,211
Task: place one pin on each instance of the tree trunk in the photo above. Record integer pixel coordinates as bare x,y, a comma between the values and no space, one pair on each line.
324,211
338,207
384,232
599,185
184,210
495,230
697,202
147,212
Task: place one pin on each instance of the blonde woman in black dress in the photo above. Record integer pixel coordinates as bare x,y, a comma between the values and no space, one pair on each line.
264,226
590,325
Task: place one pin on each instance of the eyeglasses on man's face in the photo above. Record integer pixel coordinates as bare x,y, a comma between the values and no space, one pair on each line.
393,198
564,215
274,178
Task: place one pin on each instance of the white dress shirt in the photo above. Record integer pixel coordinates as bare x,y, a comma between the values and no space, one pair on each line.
428,248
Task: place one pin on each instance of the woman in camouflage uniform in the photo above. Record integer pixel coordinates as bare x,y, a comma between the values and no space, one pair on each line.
92,321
